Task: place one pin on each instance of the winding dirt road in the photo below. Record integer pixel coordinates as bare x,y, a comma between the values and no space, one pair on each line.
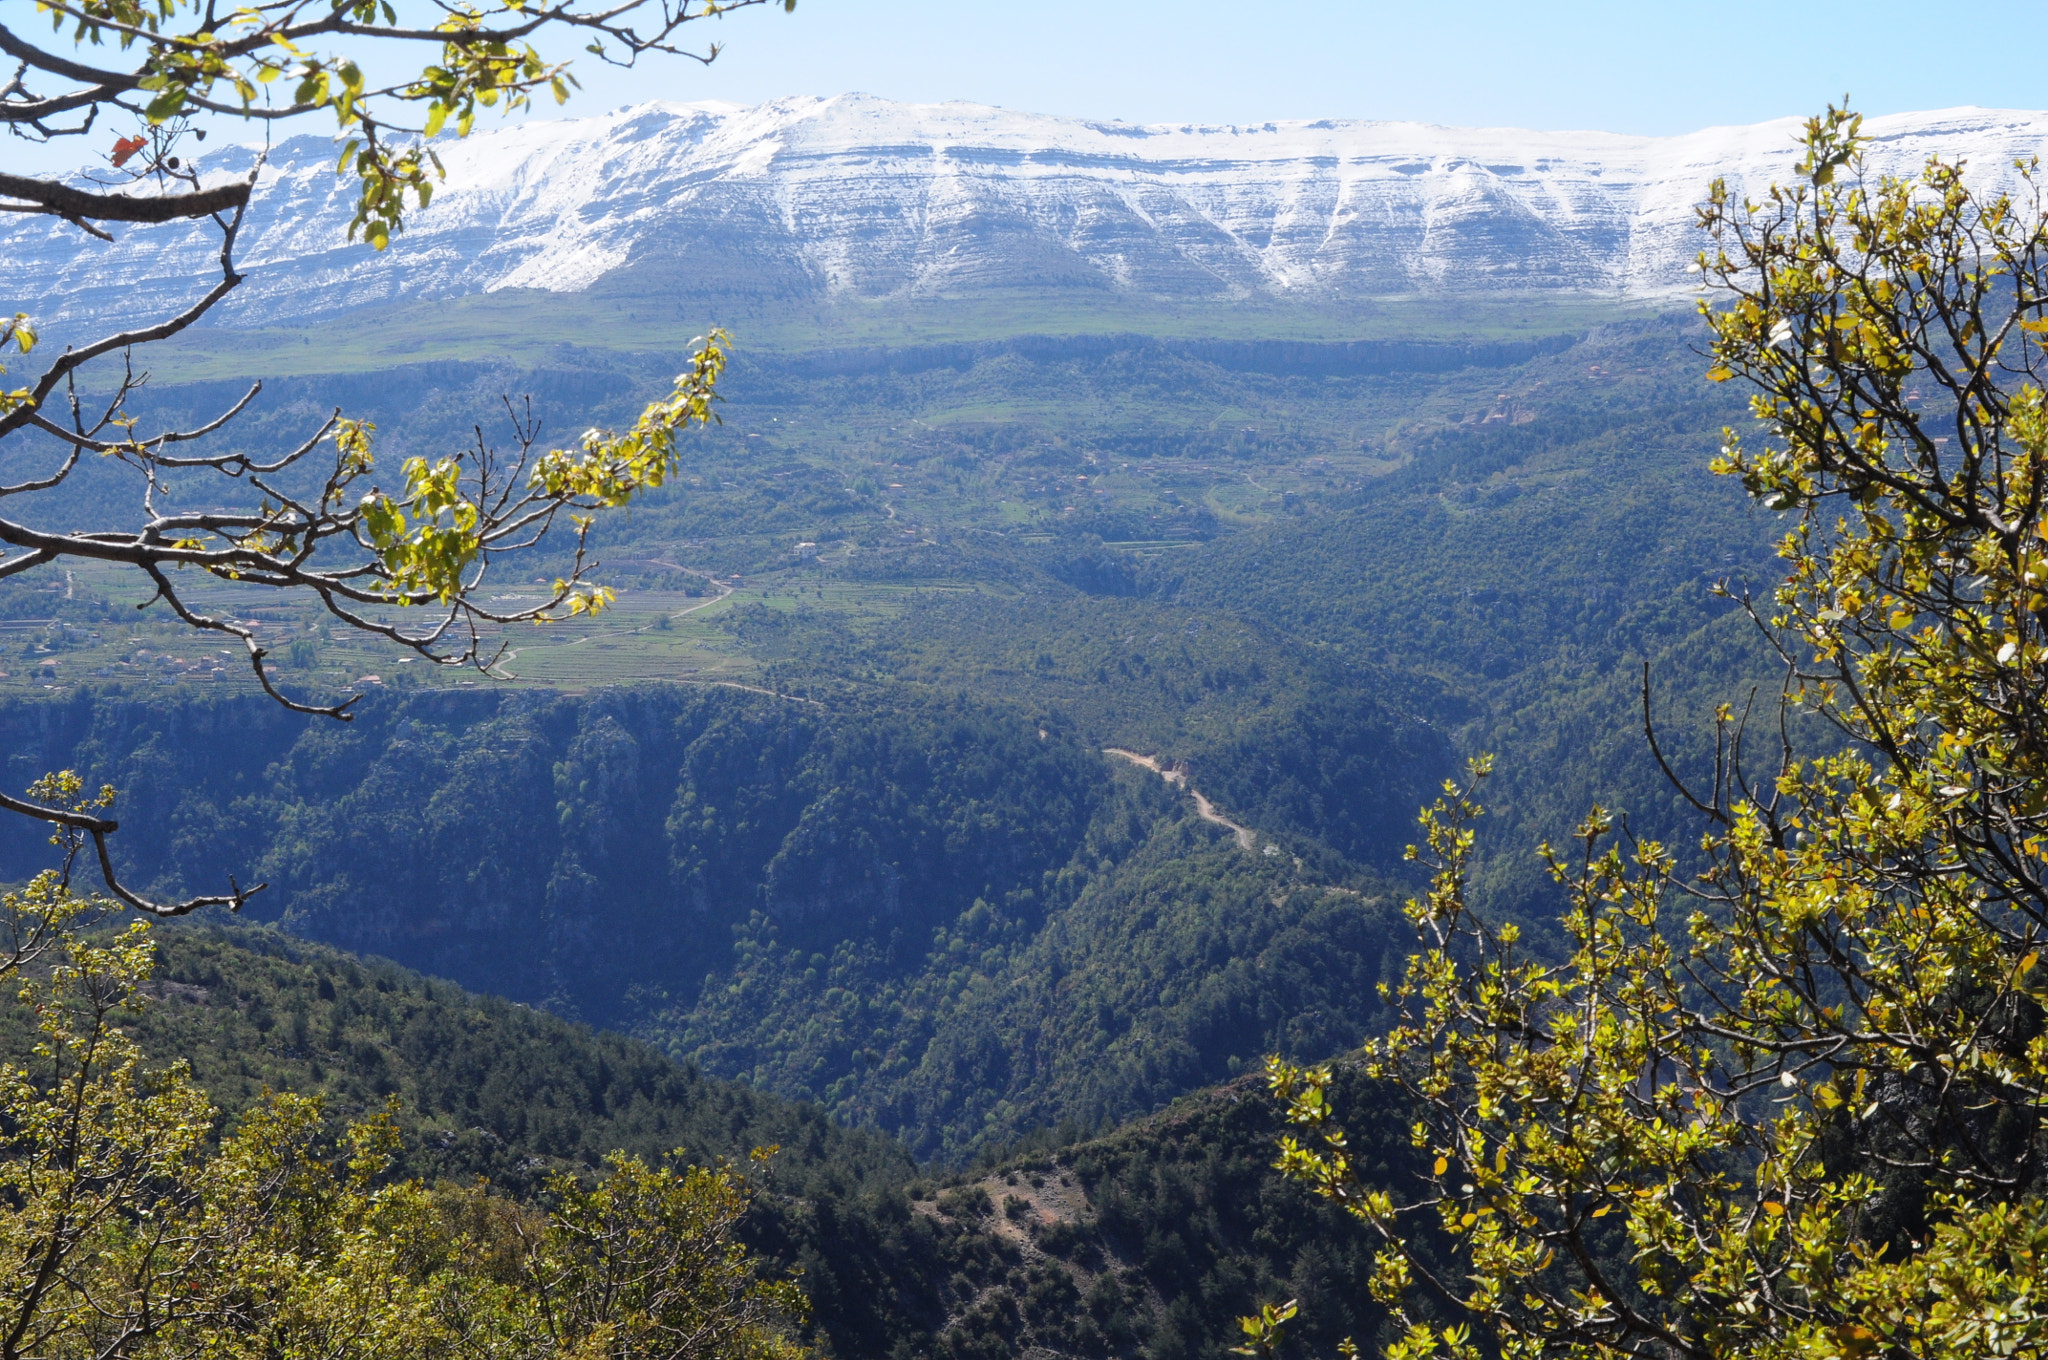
1204,809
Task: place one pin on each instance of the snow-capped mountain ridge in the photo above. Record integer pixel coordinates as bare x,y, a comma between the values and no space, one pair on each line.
810,198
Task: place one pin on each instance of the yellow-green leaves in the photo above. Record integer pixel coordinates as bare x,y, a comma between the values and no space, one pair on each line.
18,331
1760,1126
429,538
1565,1095
645,1263
581,598
1262,1330
270,57
387,178
355,536
1831,141
289,1241
96,1144
425,539
610,469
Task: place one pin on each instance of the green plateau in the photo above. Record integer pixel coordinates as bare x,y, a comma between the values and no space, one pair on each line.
633,311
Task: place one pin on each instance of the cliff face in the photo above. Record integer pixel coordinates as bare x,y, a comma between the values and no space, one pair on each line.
812,198
926,913
552,848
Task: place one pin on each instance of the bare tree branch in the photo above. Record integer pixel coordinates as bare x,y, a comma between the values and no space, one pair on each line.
99,828
76,204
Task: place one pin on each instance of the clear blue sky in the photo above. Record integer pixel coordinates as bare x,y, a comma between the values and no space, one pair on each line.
1647,66
1643,67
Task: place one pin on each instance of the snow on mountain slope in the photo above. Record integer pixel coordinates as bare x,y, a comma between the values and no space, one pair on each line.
806,198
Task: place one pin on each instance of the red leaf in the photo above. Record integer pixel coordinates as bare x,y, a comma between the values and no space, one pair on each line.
125,148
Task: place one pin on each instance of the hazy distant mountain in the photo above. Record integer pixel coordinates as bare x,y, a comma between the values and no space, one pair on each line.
812,198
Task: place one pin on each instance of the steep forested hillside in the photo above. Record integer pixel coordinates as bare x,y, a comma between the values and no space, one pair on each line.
486,1087
1181,960
1146,1242
940,917
1530,570
1495,551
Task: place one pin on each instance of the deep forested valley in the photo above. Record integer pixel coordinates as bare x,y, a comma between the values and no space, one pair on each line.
1150,1240
937,918
887,884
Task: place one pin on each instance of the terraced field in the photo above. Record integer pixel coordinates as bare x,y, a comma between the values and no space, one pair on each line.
645,635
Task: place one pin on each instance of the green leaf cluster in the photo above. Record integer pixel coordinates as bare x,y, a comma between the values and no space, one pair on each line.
1790,1103
137,1234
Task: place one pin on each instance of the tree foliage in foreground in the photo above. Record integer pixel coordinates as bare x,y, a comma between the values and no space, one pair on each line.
1792,1106
318,513
129,1233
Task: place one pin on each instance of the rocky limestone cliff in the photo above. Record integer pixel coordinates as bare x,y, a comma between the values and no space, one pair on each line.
810,198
